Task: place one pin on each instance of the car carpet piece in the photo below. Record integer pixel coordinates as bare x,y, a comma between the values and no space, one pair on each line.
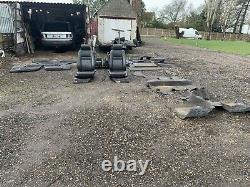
25,68
236,107
58,67
53,62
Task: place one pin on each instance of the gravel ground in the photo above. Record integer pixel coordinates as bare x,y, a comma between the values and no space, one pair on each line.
55,133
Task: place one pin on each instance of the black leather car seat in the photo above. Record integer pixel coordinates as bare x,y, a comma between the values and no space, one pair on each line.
117,62
85,63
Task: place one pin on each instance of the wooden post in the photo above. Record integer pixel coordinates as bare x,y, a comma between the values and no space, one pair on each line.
147,31
15,28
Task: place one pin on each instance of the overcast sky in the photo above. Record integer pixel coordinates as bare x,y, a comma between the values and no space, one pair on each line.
153,4
150,4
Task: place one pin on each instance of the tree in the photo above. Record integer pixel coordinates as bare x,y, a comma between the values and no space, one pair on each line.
196,19
245,10
227,13
211,8
241,13
94,5
173,12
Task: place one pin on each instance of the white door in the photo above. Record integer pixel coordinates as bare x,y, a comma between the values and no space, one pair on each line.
118,24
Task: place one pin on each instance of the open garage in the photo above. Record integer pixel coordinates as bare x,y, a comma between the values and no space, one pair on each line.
31,19
36,15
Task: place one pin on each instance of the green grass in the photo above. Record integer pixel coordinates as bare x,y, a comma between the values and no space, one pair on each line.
232,47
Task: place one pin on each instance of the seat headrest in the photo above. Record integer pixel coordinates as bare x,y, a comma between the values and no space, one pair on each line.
117,47
85,47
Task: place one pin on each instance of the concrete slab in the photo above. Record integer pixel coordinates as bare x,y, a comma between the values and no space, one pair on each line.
168,81
145,68
216,104
165,85
144,65
167,89
139,74
192,112
202,92
158,60
236,107
194,108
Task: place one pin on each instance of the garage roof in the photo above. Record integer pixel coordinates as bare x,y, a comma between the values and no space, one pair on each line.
37,1
6,20
117,9
47,4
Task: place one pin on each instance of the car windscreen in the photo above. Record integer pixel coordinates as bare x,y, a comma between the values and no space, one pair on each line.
56,27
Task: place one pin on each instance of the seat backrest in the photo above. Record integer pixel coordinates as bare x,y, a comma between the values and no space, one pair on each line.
117,58
85,59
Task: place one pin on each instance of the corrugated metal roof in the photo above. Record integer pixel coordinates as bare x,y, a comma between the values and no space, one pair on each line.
6,19
39,1
117,8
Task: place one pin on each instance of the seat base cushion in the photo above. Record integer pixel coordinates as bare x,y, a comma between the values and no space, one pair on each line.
81,81
85,75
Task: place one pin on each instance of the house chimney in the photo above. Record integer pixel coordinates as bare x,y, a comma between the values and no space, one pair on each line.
136,4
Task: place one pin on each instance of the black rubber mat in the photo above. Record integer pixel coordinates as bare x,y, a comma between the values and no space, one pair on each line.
61,67
25,68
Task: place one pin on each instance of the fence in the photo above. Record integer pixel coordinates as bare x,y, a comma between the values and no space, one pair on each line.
154,32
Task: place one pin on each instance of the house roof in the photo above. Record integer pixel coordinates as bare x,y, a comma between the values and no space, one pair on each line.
117,8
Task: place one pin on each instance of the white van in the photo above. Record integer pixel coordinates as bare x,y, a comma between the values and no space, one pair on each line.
190,33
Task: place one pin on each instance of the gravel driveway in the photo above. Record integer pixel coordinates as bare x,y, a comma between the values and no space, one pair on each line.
55,133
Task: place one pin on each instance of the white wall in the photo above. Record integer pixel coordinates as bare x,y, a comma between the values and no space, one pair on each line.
106,34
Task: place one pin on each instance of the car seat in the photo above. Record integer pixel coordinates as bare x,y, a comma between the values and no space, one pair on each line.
117,62
85,63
